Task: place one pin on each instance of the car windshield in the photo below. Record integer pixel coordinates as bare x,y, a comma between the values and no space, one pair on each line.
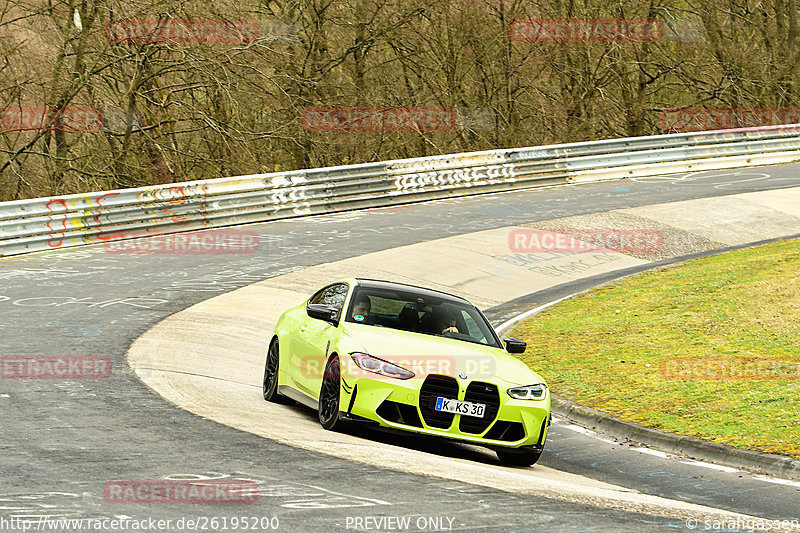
419,313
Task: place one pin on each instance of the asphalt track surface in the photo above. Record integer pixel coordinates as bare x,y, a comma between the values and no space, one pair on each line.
63,440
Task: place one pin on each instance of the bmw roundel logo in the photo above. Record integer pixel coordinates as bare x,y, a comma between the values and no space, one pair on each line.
462,376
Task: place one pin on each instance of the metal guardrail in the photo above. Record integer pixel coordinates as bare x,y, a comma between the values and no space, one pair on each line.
65,221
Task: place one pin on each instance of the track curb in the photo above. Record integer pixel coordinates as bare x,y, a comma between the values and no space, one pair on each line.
752,461
749,460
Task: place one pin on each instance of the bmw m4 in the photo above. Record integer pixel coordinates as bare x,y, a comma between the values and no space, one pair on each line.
411,359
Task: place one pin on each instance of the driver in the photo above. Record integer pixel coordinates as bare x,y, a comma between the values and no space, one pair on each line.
445,322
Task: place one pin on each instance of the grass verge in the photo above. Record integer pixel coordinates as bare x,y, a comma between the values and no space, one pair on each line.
709,348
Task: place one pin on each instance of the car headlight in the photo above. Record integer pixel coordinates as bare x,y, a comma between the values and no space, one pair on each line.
528,392
379,366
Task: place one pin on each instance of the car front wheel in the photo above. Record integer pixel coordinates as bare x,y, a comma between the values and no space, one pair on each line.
329,395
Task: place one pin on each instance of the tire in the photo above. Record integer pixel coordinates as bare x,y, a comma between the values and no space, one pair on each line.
270,382
518,456
329,395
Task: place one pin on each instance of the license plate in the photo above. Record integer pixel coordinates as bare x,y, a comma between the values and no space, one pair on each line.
460,408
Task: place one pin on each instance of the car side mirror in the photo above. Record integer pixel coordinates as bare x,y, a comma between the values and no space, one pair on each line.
514,345
323,312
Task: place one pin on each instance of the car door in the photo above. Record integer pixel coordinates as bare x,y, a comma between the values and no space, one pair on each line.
313,339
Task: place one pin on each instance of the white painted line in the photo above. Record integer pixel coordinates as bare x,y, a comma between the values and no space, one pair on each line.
580,429
584,431
372,501
777,480
712,466
650,451
522,316
41,517
5,396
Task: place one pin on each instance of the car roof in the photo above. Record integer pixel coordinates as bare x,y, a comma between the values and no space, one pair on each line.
422,291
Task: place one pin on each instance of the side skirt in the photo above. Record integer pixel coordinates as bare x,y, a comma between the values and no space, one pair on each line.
298,396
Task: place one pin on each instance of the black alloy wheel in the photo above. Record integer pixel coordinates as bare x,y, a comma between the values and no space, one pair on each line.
270,383
329,395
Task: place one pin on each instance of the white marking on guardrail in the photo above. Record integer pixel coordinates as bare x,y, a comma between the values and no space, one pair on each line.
465,177
42,224
288,181
302,209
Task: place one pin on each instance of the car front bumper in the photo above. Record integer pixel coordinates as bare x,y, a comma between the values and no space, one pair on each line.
396,404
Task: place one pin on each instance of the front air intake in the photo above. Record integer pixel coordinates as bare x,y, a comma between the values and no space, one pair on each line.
437,386
487,394
399,413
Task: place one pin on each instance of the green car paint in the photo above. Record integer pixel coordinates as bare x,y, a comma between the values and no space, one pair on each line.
479,367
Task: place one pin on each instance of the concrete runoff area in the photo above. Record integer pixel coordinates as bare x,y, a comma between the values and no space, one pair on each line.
209,358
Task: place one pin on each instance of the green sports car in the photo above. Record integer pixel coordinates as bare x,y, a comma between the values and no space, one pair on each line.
411,359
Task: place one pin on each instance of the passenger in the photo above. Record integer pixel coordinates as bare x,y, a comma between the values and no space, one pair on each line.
361,309
408,318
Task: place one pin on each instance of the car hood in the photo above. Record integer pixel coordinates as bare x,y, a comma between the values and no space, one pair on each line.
428,354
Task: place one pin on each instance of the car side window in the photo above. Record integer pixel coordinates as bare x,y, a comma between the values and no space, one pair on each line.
473,329
333,296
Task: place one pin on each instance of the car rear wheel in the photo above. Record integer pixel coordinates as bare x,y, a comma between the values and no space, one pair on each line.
329,395
519,456
270,383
